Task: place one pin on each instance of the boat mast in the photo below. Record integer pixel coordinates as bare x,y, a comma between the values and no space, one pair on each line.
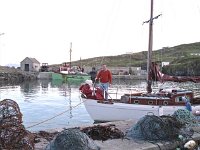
70,55
149,57
150,47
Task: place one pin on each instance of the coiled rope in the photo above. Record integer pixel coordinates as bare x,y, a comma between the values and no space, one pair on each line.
56,115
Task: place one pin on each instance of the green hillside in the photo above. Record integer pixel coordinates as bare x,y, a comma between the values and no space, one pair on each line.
176,54
180,57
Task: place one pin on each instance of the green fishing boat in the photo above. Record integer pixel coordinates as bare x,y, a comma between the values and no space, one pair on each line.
68,73
73,78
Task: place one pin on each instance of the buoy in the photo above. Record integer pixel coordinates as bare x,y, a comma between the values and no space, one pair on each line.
190,144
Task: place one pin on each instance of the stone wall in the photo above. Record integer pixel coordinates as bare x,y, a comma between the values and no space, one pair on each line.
13,75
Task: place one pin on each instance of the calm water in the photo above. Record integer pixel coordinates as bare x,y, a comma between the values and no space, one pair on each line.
41,100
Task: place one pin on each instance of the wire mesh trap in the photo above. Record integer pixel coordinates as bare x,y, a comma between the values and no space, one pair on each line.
13,134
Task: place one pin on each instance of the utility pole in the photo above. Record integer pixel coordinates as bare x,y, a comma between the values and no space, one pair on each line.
81,62
70,56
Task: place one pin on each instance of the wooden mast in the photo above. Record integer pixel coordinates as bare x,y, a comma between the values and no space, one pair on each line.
150,46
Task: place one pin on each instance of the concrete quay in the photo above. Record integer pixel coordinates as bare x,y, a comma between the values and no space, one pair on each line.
48,75
125,144
129,77
44,75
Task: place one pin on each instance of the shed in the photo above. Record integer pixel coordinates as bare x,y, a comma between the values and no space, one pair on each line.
30,64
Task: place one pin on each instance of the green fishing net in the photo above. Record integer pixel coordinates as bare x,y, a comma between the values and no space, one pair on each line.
186,117
162,128
152,127
72,139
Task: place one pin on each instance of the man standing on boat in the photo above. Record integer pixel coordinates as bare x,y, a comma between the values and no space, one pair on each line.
93,74
105,77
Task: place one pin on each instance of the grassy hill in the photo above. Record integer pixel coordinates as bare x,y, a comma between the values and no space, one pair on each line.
177,54
179,57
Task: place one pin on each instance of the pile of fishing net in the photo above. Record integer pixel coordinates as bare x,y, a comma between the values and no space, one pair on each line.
103,132
186,117
72,139
12,133
163,128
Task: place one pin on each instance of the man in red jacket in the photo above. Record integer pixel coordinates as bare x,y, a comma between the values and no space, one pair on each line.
105,77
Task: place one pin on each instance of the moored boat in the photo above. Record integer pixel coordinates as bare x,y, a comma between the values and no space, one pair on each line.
68,74
134,105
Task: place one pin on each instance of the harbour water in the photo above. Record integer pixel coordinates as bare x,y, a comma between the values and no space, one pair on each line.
52,104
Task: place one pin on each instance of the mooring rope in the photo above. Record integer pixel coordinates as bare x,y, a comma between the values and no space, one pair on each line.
56,115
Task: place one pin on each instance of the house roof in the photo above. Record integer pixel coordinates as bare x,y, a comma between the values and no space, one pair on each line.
33,60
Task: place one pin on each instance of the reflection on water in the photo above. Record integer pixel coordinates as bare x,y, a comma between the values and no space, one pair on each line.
43,99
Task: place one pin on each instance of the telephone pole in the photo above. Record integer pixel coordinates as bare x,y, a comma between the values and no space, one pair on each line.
70,55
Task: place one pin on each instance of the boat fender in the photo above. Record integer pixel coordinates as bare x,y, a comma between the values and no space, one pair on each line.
188,106
190,144
197,113
187,103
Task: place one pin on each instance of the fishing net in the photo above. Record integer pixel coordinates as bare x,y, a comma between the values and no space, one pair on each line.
153,128
186,117
103,132
12,133
72,139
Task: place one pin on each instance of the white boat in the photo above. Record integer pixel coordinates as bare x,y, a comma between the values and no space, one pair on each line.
136,105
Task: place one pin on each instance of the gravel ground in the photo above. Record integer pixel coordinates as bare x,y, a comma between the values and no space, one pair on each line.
124,144
115,144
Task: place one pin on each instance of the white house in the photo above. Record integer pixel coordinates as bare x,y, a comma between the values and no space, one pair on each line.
30,64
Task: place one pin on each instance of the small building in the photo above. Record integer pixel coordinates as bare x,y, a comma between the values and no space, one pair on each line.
165,63
125,70
30,64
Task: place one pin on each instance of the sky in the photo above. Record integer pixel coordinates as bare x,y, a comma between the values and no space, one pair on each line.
44,29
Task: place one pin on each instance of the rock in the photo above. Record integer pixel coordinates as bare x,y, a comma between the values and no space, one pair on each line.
13,75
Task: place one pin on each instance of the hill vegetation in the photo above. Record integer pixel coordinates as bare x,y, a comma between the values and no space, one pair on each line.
166,54
184,59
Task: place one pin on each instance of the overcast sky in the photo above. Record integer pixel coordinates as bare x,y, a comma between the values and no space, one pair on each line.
43,29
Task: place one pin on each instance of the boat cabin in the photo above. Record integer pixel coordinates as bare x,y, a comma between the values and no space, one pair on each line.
162,98
65,67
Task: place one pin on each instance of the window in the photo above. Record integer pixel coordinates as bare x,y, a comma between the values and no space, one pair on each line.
150,102
136,102
182,99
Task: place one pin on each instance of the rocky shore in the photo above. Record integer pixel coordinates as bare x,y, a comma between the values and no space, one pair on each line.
13,75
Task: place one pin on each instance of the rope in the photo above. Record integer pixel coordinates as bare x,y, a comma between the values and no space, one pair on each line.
152,142
55,115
